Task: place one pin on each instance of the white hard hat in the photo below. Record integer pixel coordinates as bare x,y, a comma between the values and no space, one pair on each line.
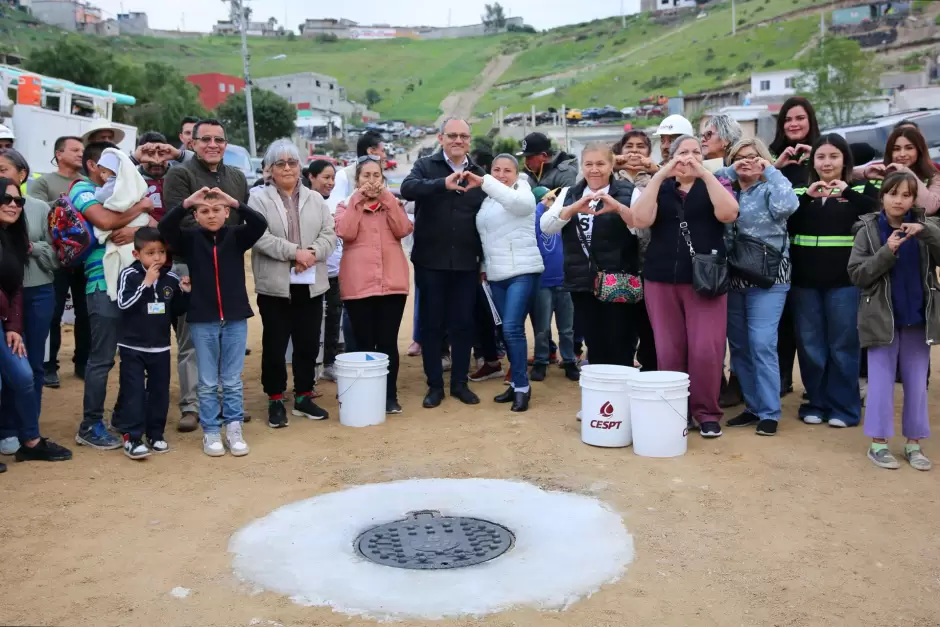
103,125
675,125
6,133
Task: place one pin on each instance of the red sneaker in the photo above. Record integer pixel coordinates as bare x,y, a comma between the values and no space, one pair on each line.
488,371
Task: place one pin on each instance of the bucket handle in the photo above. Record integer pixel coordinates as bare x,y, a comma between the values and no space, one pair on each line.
669,405
339,395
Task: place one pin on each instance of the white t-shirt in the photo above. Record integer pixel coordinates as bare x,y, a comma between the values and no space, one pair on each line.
586,220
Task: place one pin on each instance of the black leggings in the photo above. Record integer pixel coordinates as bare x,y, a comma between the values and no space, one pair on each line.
375,322
610,329
294,319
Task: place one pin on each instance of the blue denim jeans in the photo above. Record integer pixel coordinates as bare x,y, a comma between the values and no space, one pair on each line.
828,345
38,308
220,358
753,318
17,397
549,300
513,299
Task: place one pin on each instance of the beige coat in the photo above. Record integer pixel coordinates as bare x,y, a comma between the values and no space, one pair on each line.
273,255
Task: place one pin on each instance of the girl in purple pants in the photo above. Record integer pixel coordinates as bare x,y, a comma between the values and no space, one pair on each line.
894,262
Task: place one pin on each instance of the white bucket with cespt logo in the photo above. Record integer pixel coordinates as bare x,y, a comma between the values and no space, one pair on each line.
659,409
605,405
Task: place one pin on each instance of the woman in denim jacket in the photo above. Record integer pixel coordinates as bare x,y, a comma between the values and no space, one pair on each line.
766,200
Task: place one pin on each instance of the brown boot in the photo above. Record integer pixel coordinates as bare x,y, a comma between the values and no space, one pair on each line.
189,421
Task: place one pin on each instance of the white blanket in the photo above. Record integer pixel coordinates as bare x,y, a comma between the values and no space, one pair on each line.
129,189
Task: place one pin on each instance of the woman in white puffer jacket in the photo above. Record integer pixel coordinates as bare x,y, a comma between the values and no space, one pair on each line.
512,263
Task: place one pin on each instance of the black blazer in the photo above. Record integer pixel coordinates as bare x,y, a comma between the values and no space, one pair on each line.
445,235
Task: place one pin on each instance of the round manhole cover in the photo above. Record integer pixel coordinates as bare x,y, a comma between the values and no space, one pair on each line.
428,541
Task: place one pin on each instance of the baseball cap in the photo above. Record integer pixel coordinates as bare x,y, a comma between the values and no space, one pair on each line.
535,144
539,192
675,125
6,133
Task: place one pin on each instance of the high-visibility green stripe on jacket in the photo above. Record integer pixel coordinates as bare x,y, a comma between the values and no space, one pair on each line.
821,235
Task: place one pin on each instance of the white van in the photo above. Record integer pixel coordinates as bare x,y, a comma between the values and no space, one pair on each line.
875,131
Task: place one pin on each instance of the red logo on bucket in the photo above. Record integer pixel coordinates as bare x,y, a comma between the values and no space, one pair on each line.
607,410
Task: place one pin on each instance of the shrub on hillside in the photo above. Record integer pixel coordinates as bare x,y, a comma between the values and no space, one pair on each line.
770,63
327,38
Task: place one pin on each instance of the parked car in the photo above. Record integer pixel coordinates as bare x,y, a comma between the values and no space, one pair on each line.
258,164
390,164
628,111
238,157
337,162
573,114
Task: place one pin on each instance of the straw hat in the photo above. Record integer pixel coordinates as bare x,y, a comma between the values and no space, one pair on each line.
103,125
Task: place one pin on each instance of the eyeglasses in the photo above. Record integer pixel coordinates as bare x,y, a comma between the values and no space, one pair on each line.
455,136
289,164
365,158
707,135
6,199
212,140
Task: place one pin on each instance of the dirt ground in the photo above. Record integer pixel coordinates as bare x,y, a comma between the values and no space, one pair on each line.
799,529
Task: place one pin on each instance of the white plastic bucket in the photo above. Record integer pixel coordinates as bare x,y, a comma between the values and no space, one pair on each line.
360,388
605,405
659,407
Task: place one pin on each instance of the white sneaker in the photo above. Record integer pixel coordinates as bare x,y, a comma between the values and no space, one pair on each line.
446,363
233,439
9,446
328,374
212,445
838,424
812,420
579,416
159,446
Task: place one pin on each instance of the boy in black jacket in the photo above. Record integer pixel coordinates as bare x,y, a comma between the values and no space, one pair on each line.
219,308
149,297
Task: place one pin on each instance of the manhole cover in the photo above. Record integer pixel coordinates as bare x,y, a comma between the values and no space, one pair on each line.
428,541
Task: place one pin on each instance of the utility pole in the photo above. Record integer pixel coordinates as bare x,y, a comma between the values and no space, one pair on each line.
734,23
239,12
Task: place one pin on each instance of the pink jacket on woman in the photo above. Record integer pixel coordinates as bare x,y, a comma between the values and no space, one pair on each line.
373,263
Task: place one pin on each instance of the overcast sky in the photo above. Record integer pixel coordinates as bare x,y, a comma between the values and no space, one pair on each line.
202,14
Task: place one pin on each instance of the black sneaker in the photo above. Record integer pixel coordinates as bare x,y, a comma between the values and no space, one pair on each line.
744,419
433,398
572,372
3,468
767,427
538,372
392,406
465,395
304,406
277,415
51,379
785,390
711,429
135,448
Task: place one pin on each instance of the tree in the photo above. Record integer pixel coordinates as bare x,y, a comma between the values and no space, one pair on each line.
838,77
163,94
494,18
372,97
274,117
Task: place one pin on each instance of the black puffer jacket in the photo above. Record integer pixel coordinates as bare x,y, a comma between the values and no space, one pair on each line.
445,235
615,248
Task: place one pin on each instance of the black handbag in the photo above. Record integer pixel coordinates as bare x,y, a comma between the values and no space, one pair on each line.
709,272
754,260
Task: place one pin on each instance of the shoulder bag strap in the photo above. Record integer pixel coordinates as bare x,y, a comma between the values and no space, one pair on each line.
584,242
684,226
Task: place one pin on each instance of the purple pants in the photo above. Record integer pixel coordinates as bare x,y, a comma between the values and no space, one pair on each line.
690,332
911,350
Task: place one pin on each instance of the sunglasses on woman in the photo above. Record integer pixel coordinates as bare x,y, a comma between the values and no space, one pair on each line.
6,199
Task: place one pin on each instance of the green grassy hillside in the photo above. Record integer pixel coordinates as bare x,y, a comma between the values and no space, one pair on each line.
589,64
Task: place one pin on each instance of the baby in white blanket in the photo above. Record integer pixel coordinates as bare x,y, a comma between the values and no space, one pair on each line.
124,187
